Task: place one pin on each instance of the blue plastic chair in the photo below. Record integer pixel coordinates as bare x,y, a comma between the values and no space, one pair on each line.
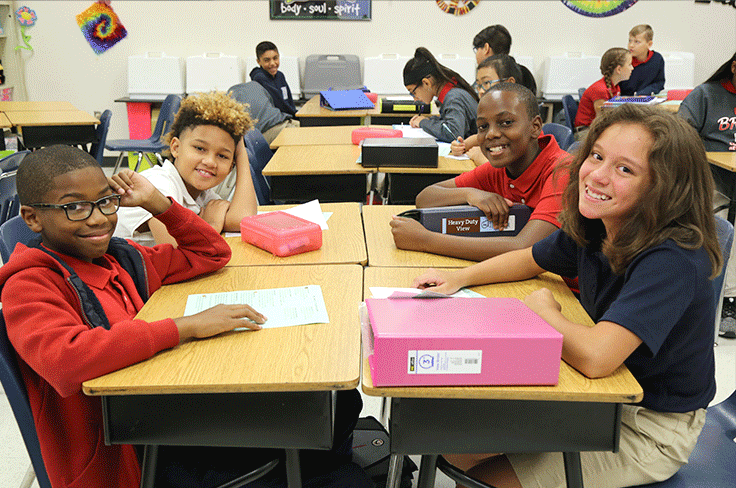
570,106
97,149
12,232
563,135
259,154
580,93
9,201
153,144
17,395
11,163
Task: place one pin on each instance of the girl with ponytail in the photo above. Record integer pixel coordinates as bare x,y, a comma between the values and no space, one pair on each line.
615,67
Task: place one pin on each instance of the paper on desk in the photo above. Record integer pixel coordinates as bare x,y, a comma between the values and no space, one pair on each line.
409,131
284,307
389,292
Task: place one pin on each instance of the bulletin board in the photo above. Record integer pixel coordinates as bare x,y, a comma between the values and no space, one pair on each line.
320,9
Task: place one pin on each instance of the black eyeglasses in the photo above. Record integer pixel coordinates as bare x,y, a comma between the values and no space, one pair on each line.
76,211
414,91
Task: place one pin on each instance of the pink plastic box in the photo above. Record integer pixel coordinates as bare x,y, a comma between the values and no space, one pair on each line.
280,233
460,341
373,132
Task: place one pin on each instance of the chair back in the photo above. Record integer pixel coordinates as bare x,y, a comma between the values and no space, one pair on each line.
11,163
15,390
580,93
12,232
562,134
97,149
570,106
259,154
9,201
166,116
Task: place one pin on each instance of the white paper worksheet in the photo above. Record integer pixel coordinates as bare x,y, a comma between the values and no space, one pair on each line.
284,307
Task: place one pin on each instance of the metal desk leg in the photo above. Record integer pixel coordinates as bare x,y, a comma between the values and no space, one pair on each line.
395,465
732,196
148,469
427,471
573,469
293,472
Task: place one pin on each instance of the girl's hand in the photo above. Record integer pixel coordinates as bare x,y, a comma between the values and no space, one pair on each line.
493,205
137,191
218,319
414,122
542,302
440,281
457,147
214,213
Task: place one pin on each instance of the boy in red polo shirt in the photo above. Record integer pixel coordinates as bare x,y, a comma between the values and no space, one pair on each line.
520,168
648,74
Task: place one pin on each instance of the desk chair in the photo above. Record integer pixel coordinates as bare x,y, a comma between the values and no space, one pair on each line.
17,395
563,135
9,201
570,106
97,149
153,144
11,163
712,462
580,93
12,232
259,154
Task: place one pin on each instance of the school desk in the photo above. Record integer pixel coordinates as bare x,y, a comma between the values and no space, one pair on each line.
40,128
270,388
316,136
578,414
404,184
36,106
312,114
727,161
4,122
342,243
382,250
329,173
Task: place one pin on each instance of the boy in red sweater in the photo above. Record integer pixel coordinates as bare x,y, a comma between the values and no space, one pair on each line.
70,299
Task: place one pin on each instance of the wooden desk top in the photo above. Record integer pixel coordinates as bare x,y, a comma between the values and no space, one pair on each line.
382,250
316,160
36,106
573,386
313,357
726,160
45,117
5,122
316,136
342,243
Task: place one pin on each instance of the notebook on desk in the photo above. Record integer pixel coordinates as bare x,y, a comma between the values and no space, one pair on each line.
345,100
639,99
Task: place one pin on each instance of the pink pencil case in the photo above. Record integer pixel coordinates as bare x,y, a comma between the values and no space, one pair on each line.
372,132
280,233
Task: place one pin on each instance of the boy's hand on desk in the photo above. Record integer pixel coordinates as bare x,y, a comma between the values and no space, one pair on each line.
493,205
218,319
137,191
409,234
439,281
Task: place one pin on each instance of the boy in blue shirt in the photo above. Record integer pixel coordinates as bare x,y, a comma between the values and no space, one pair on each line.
267,74
648,74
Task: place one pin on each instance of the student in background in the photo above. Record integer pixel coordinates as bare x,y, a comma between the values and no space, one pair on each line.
520,169
66,197
267,74
648,75
490,72
269,120
495,39
426,78
638,230
710,108
615,67
206,144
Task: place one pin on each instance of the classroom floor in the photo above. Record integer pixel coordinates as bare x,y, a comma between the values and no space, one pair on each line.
14,460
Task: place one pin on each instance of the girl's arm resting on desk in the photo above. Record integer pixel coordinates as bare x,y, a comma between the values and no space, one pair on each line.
512,266
594,351
244,202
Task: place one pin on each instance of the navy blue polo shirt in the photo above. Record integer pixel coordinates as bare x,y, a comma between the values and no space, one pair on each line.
666,298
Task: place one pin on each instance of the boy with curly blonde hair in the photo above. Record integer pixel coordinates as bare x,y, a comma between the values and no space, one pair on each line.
205,144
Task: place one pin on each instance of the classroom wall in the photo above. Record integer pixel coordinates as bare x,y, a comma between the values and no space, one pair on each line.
62,65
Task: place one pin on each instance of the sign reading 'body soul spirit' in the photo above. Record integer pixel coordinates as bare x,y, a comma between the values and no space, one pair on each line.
320,9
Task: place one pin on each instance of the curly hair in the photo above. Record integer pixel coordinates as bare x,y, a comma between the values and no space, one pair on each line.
612,59
213,108
678,205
